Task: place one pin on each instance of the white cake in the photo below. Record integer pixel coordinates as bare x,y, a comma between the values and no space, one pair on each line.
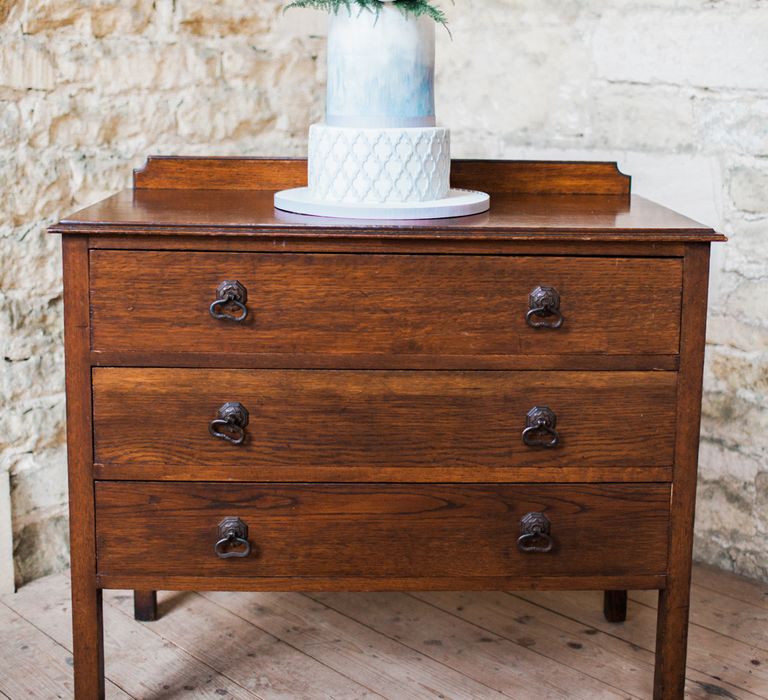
379,153
379,165
379,143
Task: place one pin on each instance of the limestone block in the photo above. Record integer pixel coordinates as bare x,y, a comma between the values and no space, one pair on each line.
26,64
38,484
40,276
711,48
8,167
748,186
222,18
740,124
36,425
737,420
242,60
214,115
10,125
117,17
128,123
98,17
749,300
735,332
538,88
41,548
123,64
95,176
731,527
42,16
744,373
35,377
42,186
50,118
8,9
717,461
728,511
747,249
629,117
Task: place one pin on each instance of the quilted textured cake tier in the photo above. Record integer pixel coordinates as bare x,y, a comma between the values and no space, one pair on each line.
354,165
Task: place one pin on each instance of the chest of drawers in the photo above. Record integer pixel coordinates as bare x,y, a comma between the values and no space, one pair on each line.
263,401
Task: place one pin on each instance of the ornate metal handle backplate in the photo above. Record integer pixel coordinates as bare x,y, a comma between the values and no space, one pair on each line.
233,539
544,308
229,304
534,534
230,423
540,428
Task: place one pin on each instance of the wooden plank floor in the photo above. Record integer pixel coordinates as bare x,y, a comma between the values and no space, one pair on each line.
399,646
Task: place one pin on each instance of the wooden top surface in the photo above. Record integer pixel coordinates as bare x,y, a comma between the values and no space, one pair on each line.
529,201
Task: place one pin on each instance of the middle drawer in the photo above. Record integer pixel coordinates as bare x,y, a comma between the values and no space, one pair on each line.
373,425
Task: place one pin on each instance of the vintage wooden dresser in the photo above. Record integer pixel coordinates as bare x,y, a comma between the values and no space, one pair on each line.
264,401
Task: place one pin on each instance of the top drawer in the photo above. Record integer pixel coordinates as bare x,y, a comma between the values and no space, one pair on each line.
381,304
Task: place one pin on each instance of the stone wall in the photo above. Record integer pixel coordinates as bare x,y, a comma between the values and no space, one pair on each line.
676,90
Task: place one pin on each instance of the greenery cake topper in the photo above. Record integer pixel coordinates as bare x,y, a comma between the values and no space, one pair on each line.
414,8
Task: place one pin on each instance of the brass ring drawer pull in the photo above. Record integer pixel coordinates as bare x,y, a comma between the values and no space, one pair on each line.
233,539
544,308
230,423
534,534
229,304
540,428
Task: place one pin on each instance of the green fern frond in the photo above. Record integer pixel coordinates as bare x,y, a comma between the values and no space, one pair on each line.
414,8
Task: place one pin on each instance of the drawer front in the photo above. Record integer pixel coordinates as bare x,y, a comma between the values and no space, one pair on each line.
382,305
160,421
380,531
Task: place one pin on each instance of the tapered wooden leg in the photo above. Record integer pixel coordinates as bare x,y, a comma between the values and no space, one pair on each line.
88,642
672,622
615,606
145,605
671,643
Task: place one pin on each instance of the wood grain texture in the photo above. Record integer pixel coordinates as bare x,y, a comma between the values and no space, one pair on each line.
245,653
235,173
402,244
32,665
284,646
368,656
159,419
339,304
356,360
672,630
144,665
502,663
612,653
512,217
220,173
380,531
202,582
86,597
458,475
713,657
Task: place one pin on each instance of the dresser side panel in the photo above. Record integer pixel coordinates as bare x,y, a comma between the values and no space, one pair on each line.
86,597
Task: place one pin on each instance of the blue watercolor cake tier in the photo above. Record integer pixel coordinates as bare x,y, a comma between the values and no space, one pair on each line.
381,69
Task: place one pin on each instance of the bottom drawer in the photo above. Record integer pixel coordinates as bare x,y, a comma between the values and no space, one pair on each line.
393,531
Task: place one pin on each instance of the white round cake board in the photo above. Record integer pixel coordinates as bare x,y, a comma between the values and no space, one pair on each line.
456,203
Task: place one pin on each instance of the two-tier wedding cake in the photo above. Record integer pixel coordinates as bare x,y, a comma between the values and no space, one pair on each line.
379,153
